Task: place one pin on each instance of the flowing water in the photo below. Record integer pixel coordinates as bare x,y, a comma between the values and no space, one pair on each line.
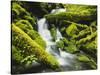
66,60
58,10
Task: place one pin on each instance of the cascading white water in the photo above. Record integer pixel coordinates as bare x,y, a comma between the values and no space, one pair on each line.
65,59
55,11
43,30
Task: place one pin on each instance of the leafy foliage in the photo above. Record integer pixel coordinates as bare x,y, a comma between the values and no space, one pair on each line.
29,60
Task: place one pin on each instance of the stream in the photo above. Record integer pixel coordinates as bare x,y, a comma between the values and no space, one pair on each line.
66,60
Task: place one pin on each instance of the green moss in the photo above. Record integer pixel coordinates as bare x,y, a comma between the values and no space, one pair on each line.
68,46
60,44
88,38
24,24
20,13
92,45
83,9
16,54
20,58
83,58
18,10
24,42
27,28
82,34
31,19
53,32
70,30
71,48
70,16
90,48
37,38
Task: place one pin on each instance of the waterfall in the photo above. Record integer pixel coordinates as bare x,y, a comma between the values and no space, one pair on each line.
43,30
58,10
65,59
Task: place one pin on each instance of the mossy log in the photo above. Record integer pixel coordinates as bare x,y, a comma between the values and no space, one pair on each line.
21,40
27,28
75,13
87,39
